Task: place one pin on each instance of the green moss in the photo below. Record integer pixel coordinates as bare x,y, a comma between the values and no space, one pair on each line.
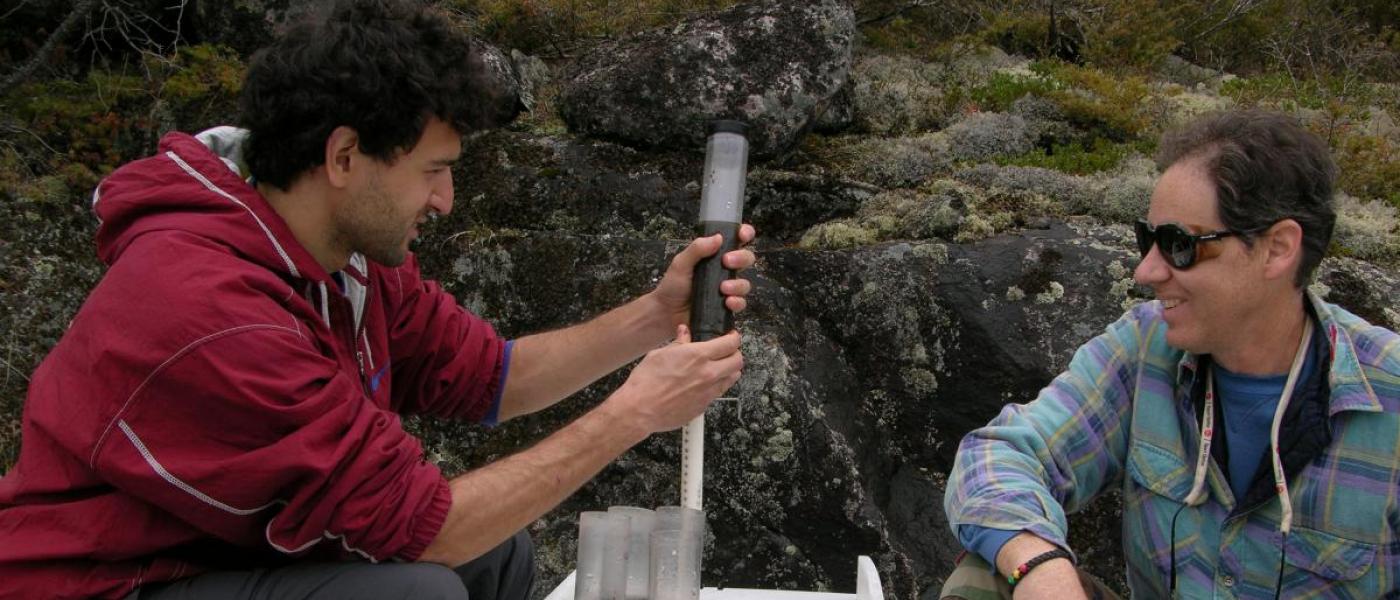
110,117
202,86
1027,35
1291,93
1082,158
1369,167
1099,103
900,34
1133,34
1002,89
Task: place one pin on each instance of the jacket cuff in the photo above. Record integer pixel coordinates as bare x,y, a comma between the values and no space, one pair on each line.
429,523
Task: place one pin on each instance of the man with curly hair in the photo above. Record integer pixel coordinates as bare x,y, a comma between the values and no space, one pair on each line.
222,419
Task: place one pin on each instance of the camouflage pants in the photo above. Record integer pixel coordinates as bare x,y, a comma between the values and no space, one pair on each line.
973,579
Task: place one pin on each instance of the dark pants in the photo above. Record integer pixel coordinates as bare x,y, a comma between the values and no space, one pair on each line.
505,573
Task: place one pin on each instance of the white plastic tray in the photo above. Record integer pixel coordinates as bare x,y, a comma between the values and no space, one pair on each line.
867,588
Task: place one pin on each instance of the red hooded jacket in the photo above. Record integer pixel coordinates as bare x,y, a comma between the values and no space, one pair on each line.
221,402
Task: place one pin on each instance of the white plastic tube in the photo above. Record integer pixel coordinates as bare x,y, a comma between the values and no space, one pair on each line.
693,463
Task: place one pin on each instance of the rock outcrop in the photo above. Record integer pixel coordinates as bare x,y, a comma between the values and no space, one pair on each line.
774,65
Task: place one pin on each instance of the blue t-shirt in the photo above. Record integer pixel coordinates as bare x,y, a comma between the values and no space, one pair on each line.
1249,402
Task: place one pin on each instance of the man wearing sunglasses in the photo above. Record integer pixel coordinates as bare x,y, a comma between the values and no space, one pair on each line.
1253,429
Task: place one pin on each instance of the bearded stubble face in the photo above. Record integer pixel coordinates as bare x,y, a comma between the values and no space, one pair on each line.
377,227
381,215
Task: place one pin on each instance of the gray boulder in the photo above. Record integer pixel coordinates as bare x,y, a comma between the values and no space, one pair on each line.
772,64
508,95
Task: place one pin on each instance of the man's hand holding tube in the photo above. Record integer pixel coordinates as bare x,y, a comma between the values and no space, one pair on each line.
672,295
674,383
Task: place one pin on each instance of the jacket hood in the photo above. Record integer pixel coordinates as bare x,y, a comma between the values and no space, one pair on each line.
192,186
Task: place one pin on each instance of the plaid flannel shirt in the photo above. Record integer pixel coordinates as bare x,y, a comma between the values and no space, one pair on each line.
1123,414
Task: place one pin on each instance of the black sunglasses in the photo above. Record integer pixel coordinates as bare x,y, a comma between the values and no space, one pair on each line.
1180,247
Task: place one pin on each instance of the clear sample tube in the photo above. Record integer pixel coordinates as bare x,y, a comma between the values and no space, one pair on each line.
602,556
675,565
592,536
677,548
638,569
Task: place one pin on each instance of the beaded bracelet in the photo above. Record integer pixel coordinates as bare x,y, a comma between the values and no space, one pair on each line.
1020,573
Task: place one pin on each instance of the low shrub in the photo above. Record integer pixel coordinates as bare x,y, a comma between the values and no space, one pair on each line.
1080,158
982,136
1132,34
1286,92
1027,35
1003,89
1367,230
1102,105
892,162
1369,167
834,235
1068,194
110,117
896,95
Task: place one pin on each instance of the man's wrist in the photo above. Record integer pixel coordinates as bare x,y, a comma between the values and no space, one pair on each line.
658,320
1025,568
1057,575
1053,579
617,419
1016,551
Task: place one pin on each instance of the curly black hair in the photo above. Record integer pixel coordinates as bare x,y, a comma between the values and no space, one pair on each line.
381,67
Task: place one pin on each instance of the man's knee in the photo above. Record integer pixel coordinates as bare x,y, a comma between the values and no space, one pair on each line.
506,572
524,549
428,580
520,568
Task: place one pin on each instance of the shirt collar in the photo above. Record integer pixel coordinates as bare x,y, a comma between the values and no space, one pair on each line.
1349,388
